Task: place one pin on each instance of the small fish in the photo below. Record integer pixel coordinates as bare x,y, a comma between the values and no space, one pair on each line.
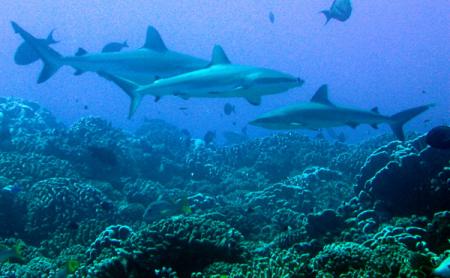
185,207
426,121
162,208
86,107
102,154
424,92
183,108
439,137
114,46
271,17
209,137
14,252
12,188
229,108
340,10
70,267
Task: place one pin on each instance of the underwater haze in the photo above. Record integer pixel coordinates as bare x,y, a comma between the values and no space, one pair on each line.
340,169
387,55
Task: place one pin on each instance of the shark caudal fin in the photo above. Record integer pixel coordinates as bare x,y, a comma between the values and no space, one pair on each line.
130,89
51,58
403,117
26,55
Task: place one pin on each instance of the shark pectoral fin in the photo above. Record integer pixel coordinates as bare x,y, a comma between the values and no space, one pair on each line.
352,124
78,72
321,96
47,72
154,41
25,54
375,126
375,110
81,52
255,99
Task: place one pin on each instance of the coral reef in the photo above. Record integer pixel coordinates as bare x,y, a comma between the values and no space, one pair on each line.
91,200
398,177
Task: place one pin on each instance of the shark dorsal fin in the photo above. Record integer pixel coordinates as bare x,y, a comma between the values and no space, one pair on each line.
219,56
154,41
375,110
321,96
81,52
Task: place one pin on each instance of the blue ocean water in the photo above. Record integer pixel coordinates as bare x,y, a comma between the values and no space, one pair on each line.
385,56
87,192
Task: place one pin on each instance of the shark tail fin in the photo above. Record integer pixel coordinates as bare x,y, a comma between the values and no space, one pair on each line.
129,87
403,117
51,58
327,14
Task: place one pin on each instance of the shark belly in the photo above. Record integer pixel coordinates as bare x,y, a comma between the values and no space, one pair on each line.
201,83
192,88
334,117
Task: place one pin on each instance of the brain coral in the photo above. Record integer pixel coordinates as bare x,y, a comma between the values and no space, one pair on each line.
187,244
57,202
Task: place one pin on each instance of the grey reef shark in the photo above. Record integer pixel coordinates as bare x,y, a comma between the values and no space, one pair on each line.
139,65
321,113
220,79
